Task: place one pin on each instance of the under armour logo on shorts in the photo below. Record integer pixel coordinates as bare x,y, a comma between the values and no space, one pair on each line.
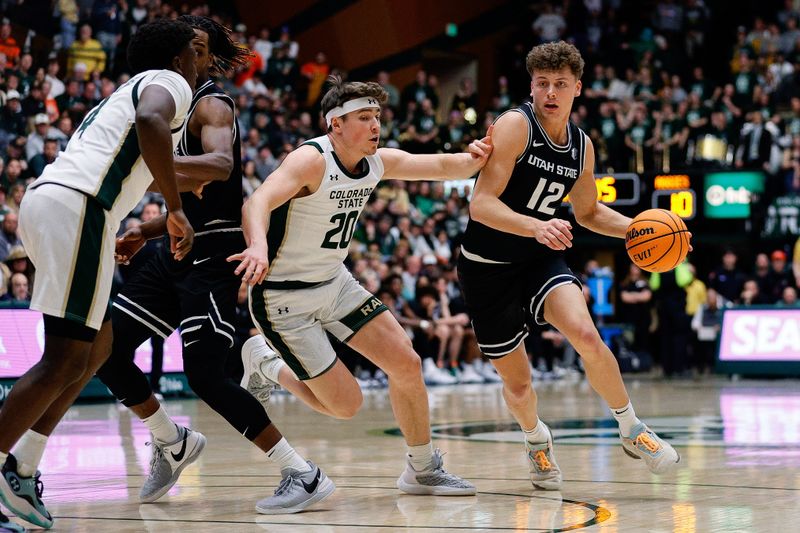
283,310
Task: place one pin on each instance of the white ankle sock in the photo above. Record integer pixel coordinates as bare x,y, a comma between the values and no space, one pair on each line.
161,426
285,456
259,347
538,434
3,457
29,451
626,418
420,456
273,368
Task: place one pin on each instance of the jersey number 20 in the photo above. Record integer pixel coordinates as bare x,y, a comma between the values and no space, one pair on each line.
345,224
546,205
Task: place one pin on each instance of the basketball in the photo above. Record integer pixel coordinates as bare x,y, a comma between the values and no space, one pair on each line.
657,240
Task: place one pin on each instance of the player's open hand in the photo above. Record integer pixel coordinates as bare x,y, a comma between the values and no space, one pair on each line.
555,233
181,234
254,264
128,245
481,149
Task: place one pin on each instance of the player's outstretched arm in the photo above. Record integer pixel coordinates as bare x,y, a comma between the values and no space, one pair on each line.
133,240
401,165
589,212
212,122
154,113
486,206
301,172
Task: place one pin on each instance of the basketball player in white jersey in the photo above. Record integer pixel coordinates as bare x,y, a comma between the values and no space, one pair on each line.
68,223
512,267
298,226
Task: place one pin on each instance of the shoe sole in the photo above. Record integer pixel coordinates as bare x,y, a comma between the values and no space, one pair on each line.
11,527
246,359
30,515
424,490
201,444
326,488
540,486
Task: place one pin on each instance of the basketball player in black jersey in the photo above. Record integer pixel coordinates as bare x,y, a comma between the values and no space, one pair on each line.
512,266
198,293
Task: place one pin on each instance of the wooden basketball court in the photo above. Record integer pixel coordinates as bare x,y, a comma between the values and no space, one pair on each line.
740,467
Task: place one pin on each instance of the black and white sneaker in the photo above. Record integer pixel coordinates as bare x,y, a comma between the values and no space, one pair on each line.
168,462
297,490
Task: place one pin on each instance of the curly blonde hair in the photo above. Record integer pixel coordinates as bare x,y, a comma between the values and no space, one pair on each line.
551,57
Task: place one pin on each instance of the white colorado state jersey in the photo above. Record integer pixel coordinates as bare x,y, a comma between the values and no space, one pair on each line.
102,158
309,237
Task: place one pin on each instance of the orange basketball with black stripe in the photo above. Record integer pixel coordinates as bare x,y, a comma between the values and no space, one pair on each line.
657,240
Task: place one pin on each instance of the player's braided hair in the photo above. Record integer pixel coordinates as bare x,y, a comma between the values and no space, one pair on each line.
156,44
551,57
227,52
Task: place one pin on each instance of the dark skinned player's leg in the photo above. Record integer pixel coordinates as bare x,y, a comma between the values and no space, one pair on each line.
63,363
66,355
97,356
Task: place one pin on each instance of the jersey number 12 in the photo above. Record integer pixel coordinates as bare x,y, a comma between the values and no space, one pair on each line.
546,205
345,224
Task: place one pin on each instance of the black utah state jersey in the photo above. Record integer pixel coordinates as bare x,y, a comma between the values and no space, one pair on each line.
543,175
220,208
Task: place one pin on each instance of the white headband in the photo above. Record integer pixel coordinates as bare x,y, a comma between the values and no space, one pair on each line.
351,105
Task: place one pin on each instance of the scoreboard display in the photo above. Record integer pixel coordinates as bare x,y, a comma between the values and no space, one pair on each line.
712,200
674,192
617,189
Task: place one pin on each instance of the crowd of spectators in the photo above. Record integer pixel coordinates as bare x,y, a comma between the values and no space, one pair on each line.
677,315
648,103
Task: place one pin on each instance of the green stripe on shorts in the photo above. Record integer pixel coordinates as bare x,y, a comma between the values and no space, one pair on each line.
87,265
259,308
365,312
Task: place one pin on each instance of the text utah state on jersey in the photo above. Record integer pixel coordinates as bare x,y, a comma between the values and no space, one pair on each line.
552,167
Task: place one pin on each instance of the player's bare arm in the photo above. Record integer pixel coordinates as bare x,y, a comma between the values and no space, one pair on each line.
134,239
299,175
153,115
212,123
402,165
589,212
486,206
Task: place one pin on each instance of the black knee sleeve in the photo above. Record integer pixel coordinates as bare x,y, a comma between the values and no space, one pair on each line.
204,365
123,378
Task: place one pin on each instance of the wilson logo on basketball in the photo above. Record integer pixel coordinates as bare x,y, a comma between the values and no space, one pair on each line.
634,233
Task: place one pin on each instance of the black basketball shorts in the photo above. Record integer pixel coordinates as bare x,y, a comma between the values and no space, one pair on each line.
200,299
502,299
